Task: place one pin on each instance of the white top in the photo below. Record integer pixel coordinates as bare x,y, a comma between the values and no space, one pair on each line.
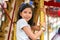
57,37
20,34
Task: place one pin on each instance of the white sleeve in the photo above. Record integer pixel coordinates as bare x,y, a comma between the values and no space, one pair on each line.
21,23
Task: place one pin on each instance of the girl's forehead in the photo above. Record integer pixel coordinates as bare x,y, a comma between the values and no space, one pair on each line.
27,9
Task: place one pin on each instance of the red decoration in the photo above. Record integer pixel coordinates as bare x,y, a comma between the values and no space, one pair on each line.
58,13
51,13
55,4
51,3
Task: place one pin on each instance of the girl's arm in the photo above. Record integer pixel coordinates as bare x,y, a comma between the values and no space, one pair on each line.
29,32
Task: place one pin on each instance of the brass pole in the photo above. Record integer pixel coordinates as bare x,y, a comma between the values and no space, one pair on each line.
42,17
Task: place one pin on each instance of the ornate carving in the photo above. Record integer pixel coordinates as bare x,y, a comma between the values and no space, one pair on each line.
4,18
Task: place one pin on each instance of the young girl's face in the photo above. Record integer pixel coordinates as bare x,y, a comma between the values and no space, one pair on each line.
26,14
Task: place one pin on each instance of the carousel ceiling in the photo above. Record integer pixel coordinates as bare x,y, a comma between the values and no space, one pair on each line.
55,3
54,11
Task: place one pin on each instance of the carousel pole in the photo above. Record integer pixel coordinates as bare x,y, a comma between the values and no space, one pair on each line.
14,37
11,24
42,17
14,24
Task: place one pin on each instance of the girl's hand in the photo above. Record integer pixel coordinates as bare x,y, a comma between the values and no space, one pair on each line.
43,26
36,27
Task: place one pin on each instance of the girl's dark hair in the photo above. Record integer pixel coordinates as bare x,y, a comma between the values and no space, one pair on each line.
21,8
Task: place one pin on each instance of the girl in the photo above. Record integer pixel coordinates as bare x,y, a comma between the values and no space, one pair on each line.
25,24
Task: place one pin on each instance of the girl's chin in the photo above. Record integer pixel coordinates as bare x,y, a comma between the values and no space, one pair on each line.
27,20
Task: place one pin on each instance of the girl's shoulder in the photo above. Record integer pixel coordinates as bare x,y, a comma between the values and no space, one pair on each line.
22,23
21,20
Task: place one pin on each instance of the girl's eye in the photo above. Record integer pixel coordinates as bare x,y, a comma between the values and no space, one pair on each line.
30,12
25,12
